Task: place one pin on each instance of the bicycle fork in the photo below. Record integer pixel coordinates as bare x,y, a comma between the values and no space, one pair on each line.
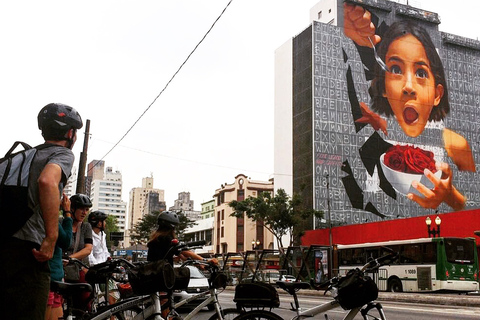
157,307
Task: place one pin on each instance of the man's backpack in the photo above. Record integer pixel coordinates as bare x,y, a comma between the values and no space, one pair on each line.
14,177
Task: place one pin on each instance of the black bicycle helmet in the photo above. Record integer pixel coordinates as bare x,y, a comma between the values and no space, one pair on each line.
80,201
96,216
55,119
168,218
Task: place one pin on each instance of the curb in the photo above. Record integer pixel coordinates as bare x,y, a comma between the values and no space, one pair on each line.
421,298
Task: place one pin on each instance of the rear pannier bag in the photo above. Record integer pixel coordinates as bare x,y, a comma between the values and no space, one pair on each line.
256,294
151,277
356,289
182,278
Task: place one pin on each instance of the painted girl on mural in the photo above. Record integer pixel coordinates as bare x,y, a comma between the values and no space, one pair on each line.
412,89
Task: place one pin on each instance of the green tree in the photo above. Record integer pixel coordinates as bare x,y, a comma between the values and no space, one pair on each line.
280,214
111,226
148,224
144,227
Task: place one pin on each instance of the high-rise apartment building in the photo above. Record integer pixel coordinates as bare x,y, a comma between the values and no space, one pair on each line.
182,203
144,200
185,205
95,170
106,196
71,186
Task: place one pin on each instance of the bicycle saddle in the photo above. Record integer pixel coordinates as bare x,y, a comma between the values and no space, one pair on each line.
66,289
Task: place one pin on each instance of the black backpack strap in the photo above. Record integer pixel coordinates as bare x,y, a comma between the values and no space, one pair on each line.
26,146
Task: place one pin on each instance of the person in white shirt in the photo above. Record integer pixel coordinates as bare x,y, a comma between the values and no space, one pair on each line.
100,251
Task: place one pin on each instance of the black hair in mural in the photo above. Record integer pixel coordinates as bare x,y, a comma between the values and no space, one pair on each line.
377,89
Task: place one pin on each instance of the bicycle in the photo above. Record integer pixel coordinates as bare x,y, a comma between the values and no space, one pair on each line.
353,292
97,274
216,280
147,306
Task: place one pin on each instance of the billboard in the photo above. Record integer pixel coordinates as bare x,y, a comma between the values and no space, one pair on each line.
395,115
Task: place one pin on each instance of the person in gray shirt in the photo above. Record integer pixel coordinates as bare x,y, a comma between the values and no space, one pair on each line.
24,271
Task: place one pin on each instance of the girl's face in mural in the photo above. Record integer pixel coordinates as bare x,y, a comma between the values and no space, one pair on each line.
410,86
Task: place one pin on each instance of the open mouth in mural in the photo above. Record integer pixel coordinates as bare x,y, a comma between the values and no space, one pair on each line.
410,115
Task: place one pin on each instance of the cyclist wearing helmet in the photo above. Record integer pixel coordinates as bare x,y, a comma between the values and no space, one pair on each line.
161,241
97,220
100,252
82,243
29,249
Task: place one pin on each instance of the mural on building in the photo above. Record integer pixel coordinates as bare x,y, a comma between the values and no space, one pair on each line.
396,128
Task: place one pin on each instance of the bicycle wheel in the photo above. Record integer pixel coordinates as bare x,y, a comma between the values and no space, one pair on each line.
258,315
229,314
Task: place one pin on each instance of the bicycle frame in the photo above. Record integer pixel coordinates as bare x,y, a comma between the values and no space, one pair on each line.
123,305
323,308
154,307
212,298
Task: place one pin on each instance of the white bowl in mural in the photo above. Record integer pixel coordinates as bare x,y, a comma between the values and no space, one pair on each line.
402,182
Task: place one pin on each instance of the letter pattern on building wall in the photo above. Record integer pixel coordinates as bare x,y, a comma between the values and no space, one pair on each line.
376,131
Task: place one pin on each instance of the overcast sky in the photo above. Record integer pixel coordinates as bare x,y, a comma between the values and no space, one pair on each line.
110,59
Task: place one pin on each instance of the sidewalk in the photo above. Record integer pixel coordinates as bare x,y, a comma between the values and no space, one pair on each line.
450,299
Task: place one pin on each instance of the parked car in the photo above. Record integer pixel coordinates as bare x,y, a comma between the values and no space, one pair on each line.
198,283
288,278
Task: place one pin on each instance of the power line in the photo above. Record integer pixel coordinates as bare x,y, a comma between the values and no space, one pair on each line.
195,161
168,83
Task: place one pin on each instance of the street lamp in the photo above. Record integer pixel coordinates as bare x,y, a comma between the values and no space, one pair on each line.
255,244
433,232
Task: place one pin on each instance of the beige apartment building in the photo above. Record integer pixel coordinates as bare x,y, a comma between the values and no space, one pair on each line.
236,234
140,203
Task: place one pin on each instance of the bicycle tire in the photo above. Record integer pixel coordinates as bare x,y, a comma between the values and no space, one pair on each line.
229,314
258,315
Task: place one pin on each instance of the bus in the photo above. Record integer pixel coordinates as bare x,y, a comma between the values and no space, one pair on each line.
426,264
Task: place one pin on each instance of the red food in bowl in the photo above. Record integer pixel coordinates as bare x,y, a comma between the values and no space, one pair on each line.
409,159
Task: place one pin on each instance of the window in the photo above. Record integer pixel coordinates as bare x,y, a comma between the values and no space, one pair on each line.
240,195
411,253
319,15
460,250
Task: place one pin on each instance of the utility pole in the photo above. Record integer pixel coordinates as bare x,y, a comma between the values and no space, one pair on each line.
83,160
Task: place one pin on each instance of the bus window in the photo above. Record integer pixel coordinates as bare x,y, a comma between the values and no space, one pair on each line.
384,252
345,257
411,253
358,256
371,253
429,252
459,251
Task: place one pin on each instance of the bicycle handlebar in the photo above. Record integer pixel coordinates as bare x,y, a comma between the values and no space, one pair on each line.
378,262
178,247
183,246
111,262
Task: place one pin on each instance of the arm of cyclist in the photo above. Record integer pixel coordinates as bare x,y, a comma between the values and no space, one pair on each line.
184,255
83,253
